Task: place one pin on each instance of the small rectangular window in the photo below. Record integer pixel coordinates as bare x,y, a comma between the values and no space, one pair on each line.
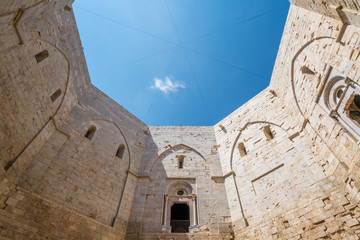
41,55
120,151
55,95
90,132
181,161
268,133
242,149
306,70
67,8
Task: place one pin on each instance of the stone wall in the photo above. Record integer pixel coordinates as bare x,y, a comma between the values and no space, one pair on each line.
31,103
300,183
342,10
29,216
159,169
50,170
322,49
282,166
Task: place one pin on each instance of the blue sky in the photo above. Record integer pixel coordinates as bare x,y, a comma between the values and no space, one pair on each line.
180,62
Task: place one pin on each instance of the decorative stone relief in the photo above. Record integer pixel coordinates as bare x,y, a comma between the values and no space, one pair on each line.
340,98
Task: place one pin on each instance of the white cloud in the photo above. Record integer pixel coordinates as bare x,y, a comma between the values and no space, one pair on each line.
167,86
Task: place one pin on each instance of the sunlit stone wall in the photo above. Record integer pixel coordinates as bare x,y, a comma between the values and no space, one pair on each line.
285,165
302,183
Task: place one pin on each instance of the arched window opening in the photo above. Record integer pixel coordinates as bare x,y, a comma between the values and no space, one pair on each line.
180,218
180,192
90,132
41,55
55,95
242,149
181,161
354,108
340,98
120,151
338,94
268,133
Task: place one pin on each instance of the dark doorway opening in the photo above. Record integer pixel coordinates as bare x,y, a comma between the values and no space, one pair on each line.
180,218
354,109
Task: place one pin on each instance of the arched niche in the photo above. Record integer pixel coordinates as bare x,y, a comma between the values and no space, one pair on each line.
340,99
306,72
166,179
320,57
88,168
34,90
119,144
168,163
254,136
183,185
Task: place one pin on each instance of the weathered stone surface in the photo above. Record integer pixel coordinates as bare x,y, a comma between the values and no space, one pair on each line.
285,165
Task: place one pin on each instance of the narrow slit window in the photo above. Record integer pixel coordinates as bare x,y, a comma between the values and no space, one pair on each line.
41,55
120,151
242,149
268,133
306,70
181,161
67,8
55,95
90,132
354,109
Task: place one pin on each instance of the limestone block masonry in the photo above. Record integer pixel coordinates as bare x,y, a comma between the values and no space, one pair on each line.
74,164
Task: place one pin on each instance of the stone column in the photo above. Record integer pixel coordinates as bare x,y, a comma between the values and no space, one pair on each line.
164,227
194,227
164,210
194,207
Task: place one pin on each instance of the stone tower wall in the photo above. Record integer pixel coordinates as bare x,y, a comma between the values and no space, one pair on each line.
159,169
281,166
55,182
303,183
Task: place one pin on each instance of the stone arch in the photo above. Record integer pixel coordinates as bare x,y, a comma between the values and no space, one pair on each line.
339,99
329,88
171,198
117,127
171,150
292,75
180,185
127,153
292,84
31,44
235,143
68,71
232,171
